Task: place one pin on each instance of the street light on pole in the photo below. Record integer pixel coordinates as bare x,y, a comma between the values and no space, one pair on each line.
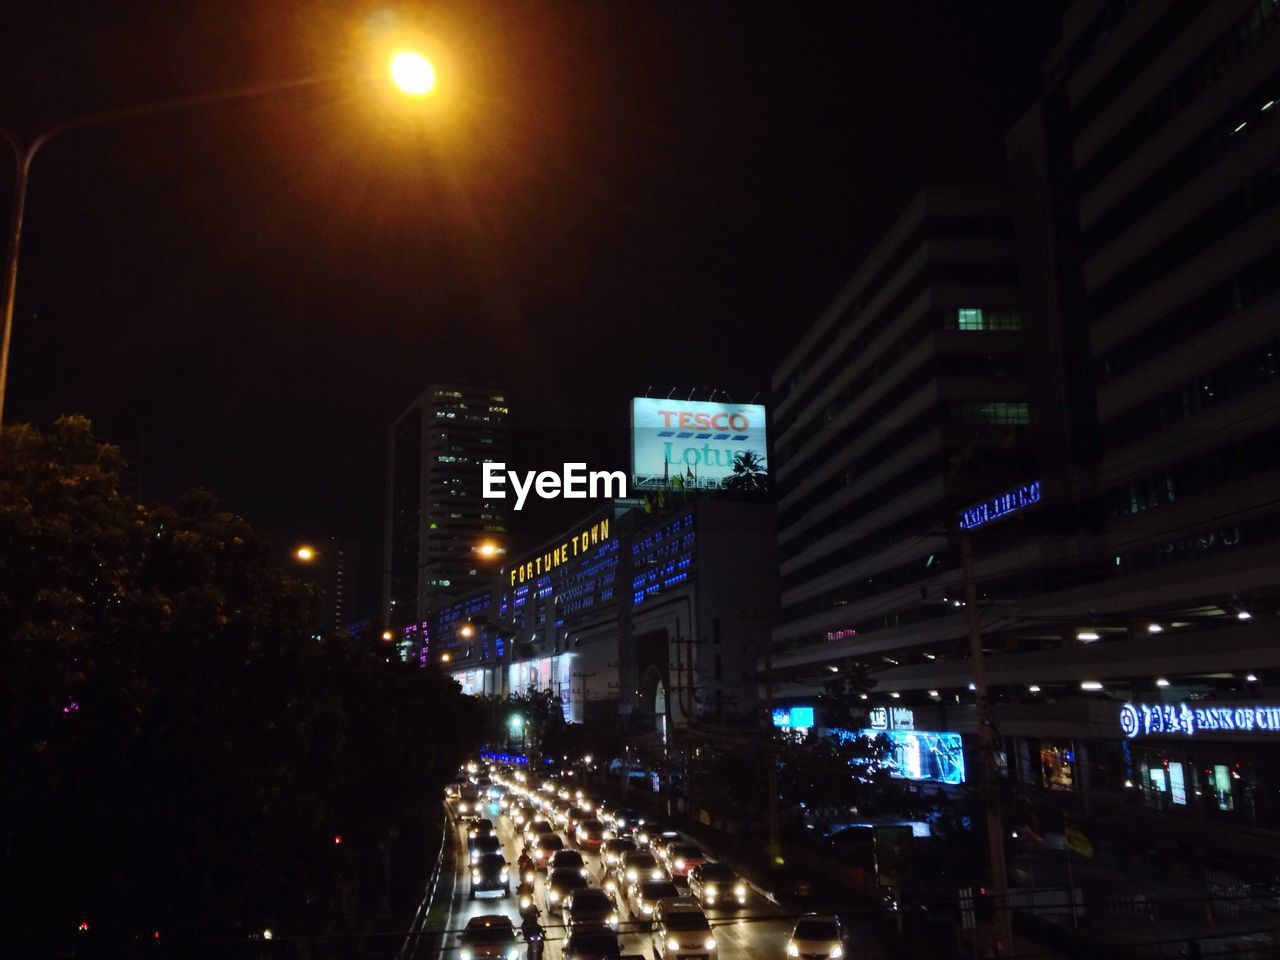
517,726
411,72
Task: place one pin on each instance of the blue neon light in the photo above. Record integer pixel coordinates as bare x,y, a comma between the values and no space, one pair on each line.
1001,505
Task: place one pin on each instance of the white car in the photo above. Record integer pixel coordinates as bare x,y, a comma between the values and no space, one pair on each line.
680,929
817,937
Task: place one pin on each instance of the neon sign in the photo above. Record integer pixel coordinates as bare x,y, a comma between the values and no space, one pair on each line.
1001,505
793,718
1179,719
891,718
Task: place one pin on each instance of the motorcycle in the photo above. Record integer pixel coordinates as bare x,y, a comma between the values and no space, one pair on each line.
534,935
524,898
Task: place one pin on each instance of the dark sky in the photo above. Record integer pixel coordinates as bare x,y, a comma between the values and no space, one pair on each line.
604,196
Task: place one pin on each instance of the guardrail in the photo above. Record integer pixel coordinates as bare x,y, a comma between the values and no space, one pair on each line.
409,949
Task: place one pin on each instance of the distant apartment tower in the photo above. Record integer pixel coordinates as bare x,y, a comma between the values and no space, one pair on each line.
436,519
907,399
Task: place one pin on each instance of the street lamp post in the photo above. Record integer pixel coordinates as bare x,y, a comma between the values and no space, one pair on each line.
411,72
517,724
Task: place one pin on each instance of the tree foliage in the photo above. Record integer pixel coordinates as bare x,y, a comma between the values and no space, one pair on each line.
179,749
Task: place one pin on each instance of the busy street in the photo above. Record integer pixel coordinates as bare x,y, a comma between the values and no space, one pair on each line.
740,922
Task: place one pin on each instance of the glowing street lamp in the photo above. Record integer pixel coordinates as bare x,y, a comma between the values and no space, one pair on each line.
388,636
413,73
304,554
516,723
467,631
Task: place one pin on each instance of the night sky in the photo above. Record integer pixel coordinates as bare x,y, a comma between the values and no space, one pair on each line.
603,196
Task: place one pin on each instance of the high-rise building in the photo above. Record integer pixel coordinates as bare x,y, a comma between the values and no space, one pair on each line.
441,536
1126,571
907,399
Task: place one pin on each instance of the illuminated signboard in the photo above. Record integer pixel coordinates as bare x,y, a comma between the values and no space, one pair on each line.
1000,505
578,543
1180,719
793,718
695,443
920,754
891,718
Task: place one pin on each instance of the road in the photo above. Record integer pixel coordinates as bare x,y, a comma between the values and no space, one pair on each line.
757,931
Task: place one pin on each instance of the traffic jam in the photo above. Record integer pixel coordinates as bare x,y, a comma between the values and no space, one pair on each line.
546,870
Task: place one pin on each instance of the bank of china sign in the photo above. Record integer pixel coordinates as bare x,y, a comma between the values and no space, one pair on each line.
1179,719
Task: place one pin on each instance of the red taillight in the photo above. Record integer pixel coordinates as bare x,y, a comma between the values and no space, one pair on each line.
84,925
337,839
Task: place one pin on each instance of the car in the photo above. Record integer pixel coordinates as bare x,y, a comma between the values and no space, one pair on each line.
490,872
639,866
596,944
590,907
626,822
660,844
612,850
469,799
489,937
716,885
453,790
521,813
561,883
543,848
680,929
590,833
568,860
479,846
577,817
480,827
644,896
683,857
536,828
816,937
648,834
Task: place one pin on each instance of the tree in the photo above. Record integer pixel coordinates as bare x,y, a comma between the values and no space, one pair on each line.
179,750
749,474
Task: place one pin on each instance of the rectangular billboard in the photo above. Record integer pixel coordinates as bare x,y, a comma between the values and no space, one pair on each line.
698,443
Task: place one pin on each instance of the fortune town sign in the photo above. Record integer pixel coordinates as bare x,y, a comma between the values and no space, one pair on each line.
577,544
1153,719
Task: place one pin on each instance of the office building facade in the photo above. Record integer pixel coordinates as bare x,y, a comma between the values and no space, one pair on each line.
441,537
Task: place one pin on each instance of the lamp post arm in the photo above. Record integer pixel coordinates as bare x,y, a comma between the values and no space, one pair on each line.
24,156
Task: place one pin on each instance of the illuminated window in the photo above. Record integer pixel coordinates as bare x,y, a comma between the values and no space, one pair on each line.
1058,766
981,318
1015,413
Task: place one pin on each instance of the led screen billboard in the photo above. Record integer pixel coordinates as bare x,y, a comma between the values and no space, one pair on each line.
698,443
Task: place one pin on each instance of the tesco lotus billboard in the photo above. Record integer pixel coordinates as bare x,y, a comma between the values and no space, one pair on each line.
698,443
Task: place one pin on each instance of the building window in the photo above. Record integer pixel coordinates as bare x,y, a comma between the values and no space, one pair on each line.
1058,766
995,412
981,318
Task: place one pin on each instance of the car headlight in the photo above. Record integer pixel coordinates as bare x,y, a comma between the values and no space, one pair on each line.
474,856
740,890
513,954
613,920
793,950
632,874
583,872
524,903
504,875
528,877
673,943
611,885
657,874
647,907
709,892
475,874
553,896
709,944
462,807
836,952
464,954
679,864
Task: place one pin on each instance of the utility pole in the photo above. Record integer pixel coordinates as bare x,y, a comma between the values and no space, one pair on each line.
986,747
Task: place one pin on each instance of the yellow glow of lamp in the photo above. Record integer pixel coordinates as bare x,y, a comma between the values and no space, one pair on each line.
413,73
305,554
